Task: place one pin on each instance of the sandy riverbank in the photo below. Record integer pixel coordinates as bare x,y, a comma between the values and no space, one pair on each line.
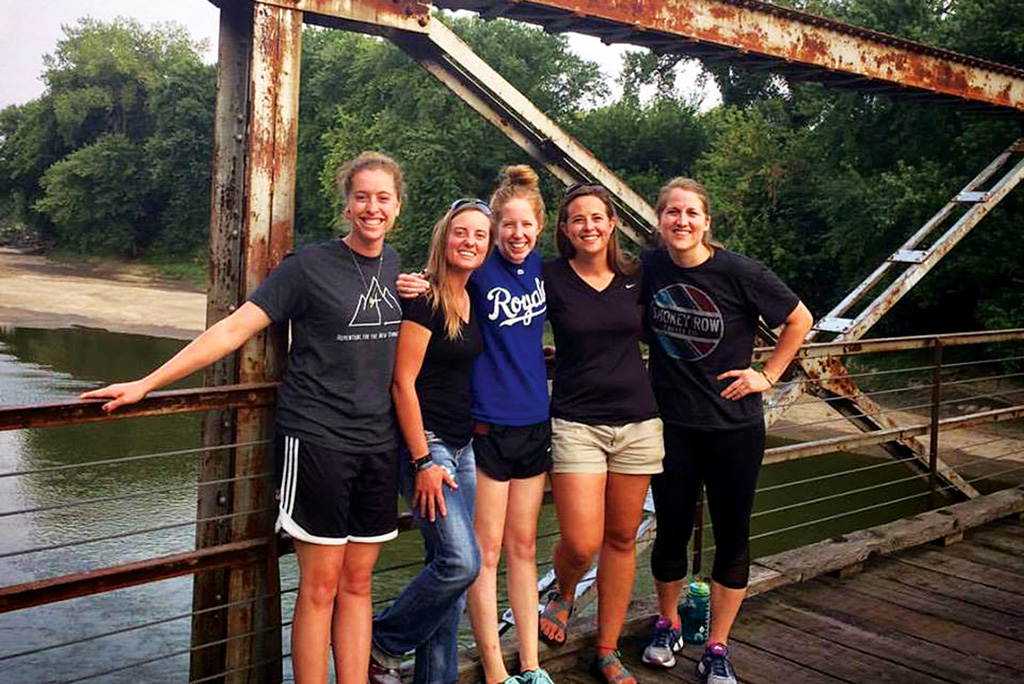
39,293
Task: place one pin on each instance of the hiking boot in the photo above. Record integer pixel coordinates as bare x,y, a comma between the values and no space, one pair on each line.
715,667
667,641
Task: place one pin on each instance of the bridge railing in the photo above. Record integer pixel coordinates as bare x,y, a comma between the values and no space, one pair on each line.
960,393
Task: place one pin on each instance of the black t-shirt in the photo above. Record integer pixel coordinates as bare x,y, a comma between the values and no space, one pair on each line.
701,322
443,385
600,378
344,328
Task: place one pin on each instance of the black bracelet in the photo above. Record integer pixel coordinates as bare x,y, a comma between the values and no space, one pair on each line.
422,463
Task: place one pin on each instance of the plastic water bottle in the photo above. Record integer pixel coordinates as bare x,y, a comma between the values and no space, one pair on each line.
697,612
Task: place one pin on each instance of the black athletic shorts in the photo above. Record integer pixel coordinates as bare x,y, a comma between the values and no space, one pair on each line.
333,497
513,452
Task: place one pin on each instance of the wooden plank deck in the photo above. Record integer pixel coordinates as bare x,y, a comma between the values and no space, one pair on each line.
928,614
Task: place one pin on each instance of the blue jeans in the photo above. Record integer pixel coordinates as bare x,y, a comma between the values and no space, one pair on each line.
426,615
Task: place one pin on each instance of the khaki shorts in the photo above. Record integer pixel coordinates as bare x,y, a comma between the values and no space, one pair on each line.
631,449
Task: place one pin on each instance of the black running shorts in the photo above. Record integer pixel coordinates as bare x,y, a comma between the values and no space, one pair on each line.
512,452
333,497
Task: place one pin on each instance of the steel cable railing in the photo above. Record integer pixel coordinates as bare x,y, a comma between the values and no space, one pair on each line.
973,384
861,469
889,410
132,533
135,495
144,625
909,497
861,490
129,459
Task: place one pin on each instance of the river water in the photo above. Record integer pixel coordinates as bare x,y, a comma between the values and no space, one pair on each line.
116,500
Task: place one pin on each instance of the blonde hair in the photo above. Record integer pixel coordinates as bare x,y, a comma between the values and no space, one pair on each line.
369,159
441,293
690,185
619,261
519,182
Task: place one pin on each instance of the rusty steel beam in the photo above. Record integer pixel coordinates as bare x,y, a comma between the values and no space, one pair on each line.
370,15
813,350
790,37
224,295
269,230
446,57
155,404
65,587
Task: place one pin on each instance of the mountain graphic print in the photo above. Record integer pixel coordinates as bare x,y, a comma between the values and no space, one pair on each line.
376,306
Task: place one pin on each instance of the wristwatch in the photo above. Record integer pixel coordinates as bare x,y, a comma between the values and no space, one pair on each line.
423,462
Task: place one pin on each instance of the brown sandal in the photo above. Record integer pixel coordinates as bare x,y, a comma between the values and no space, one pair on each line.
611,670
557,611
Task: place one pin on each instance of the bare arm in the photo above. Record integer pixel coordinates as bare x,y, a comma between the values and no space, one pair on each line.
217,341
413,339
794,331
411,285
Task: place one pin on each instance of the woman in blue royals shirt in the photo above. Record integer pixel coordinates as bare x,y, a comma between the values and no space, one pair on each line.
513,433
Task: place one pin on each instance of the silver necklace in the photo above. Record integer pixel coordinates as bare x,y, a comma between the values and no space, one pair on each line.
359,270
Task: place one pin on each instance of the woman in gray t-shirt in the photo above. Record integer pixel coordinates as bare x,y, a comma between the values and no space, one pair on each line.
334,424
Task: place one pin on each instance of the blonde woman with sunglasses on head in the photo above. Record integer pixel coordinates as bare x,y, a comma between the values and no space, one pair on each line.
439,341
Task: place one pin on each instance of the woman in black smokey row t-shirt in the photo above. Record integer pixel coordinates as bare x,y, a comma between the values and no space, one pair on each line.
703,304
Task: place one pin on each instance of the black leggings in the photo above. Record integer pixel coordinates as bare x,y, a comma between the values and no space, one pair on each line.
727,462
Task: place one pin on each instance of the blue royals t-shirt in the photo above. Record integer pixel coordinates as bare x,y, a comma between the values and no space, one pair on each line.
510,385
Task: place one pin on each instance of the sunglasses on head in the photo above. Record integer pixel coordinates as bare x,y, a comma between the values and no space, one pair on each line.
575,188
470,203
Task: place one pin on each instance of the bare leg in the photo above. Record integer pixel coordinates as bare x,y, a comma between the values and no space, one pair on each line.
524,500
489,524
353,613
579,503
725,606
624,501
668,599
319,572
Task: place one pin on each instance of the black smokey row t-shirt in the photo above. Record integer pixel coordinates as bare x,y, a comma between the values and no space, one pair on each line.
344,319
701,322
600,378
443,386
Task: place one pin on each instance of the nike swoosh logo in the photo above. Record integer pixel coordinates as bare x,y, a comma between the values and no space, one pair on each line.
630,286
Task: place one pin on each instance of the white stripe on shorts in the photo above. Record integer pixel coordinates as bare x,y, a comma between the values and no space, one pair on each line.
291,468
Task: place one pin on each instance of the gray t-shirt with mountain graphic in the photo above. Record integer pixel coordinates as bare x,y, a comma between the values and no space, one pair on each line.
344,317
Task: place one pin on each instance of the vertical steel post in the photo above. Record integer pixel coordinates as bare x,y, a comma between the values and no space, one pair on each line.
933,441
224,293
269,229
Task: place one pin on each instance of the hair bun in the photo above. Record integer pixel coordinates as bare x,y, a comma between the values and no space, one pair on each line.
521,174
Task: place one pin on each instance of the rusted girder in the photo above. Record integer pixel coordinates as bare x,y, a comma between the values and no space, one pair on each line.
741,28
155,404
41,592
407,15
813,350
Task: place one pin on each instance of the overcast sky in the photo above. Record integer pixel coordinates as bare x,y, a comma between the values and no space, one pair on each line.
30,29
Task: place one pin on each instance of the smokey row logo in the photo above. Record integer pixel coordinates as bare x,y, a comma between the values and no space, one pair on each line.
686,322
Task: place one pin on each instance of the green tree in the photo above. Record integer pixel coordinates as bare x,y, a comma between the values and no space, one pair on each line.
116,151
96,195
